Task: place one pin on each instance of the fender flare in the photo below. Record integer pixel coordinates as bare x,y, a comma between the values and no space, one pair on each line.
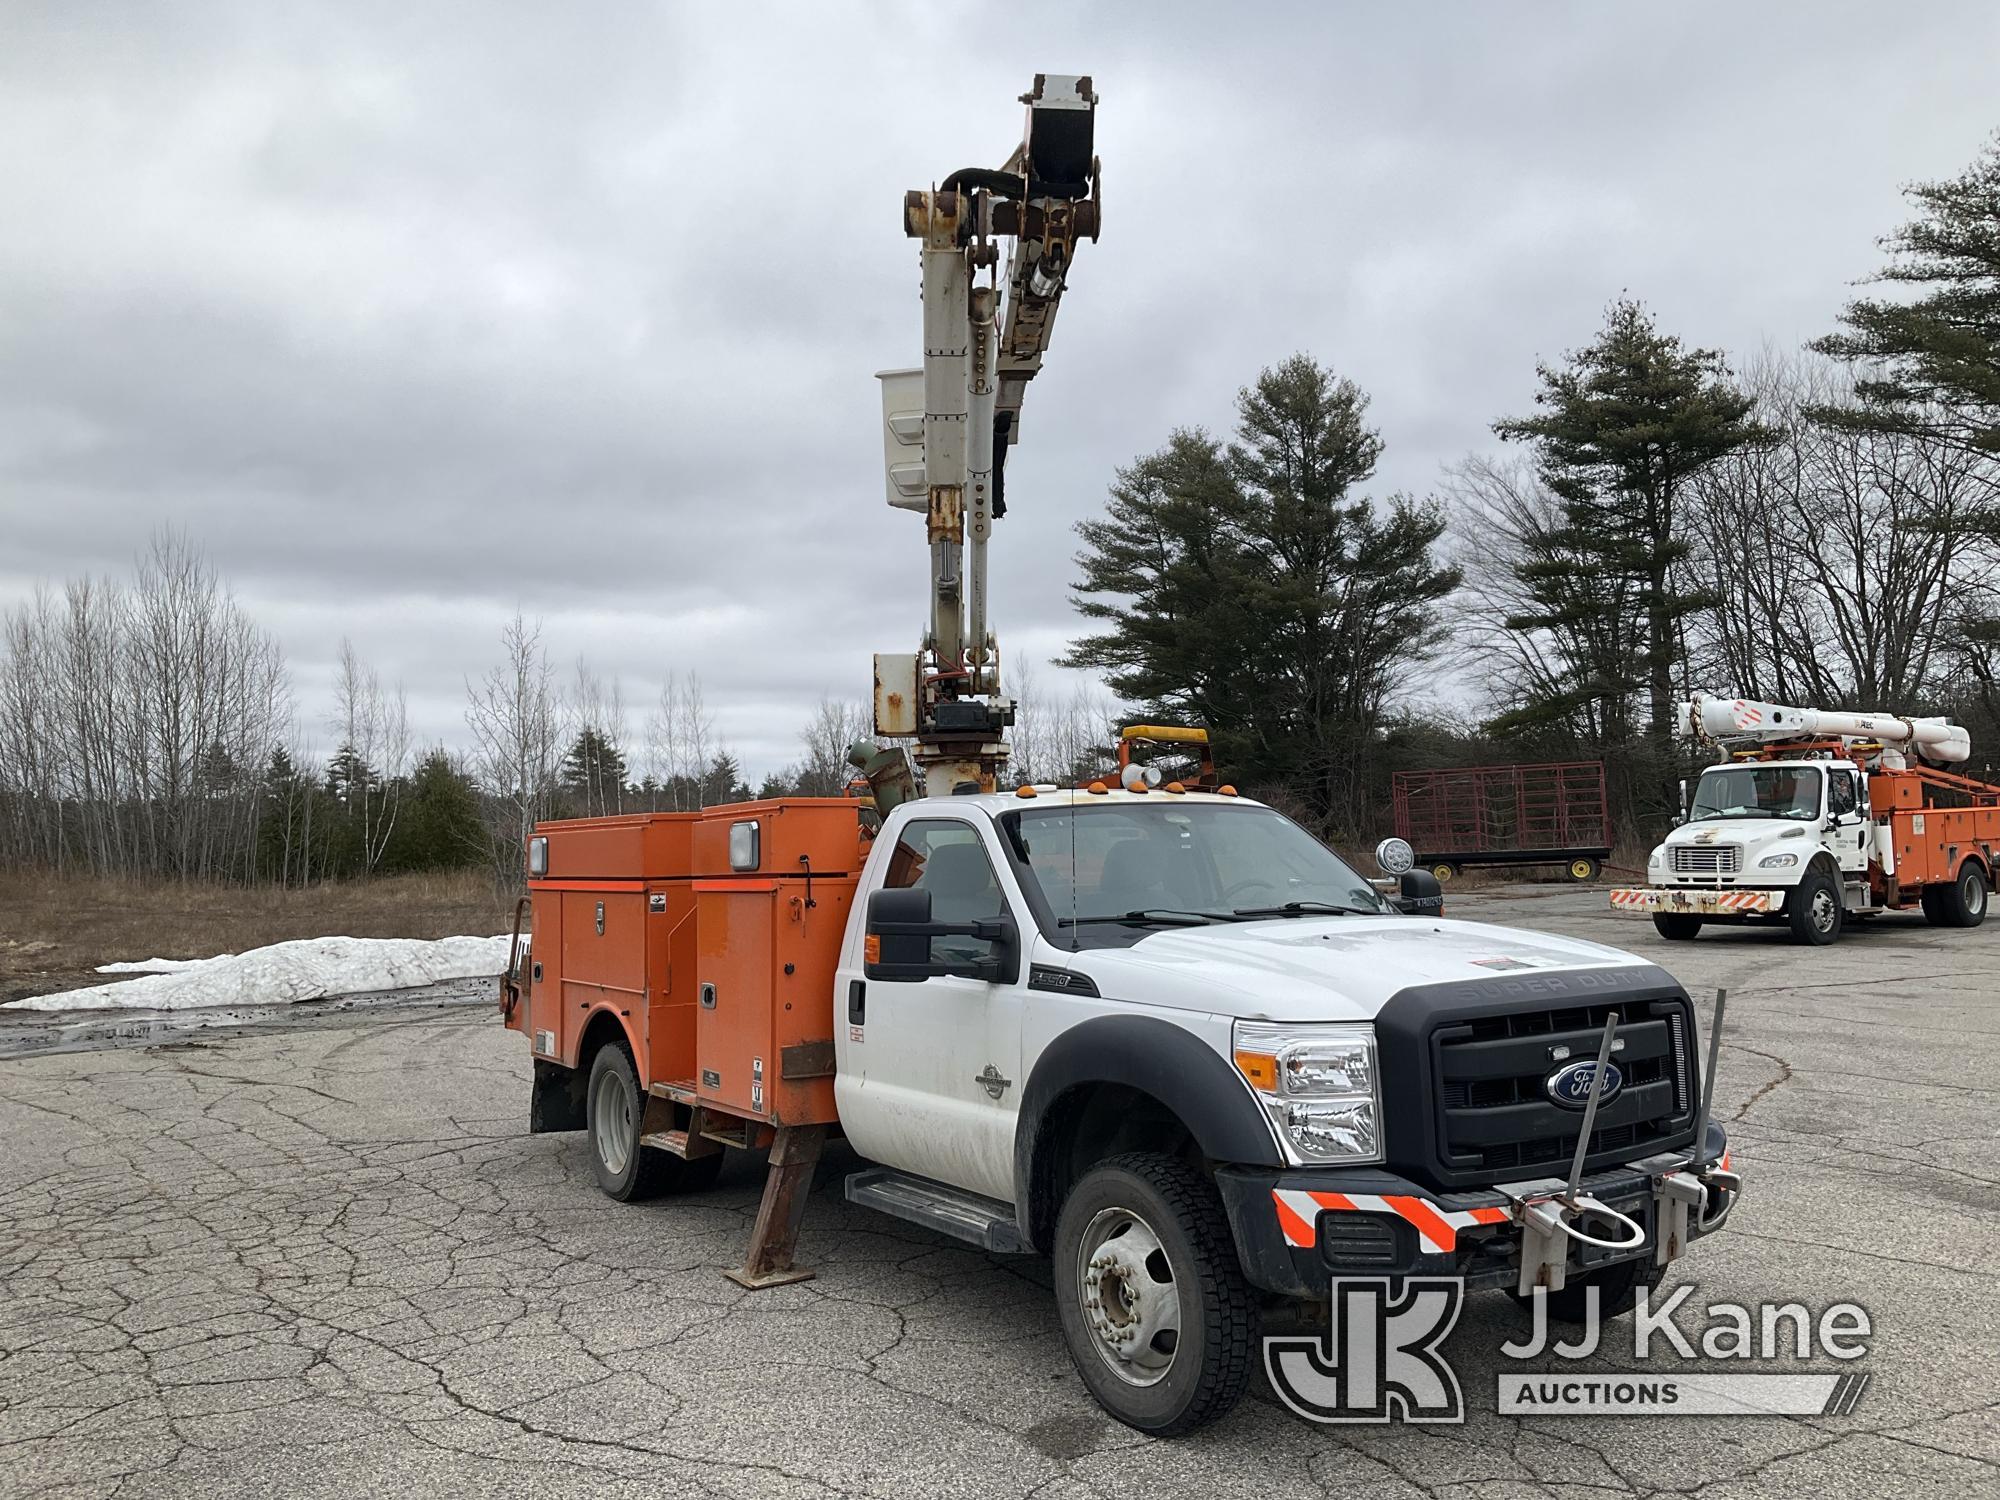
1156,1057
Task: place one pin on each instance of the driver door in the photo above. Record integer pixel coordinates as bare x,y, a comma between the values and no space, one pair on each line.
929,1077
1847,823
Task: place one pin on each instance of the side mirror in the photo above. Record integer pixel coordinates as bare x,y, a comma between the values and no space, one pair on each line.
899,941
1421,895
898,931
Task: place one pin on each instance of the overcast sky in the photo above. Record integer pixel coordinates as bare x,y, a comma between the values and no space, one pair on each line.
411,315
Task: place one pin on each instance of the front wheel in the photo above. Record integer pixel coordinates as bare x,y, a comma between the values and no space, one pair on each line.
1676,927
1814,908
1159,1321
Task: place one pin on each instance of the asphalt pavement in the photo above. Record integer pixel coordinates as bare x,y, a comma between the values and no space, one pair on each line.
326,1259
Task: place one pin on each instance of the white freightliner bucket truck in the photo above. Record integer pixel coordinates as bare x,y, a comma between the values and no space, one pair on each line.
1812,818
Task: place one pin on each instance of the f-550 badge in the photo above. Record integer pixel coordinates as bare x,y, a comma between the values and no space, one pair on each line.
992,1082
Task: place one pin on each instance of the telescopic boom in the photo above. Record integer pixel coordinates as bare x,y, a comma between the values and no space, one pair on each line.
947,425
1725,720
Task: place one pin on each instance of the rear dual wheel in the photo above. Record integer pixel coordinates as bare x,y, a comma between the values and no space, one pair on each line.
615,1109
1962,903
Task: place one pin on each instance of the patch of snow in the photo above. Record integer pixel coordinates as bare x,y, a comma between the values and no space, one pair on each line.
309,969
157,965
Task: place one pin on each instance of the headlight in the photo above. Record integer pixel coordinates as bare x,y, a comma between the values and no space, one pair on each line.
1319,1086
1657,857
1777,861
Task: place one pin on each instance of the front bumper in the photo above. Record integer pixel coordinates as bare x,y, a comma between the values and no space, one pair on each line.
1696,901
1297,1231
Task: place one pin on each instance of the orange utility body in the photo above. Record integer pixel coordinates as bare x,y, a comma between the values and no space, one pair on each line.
721,978
1936,819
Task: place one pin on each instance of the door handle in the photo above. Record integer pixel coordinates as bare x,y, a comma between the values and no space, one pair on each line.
857,1002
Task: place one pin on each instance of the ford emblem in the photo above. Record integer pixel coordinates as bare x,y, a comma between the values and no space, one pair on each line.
1570,1085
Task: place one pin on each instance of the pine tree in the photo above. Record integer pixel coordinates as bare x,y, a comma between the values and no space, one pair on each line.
723,782
1623,426
441,827
594,772
1247,587
1932,365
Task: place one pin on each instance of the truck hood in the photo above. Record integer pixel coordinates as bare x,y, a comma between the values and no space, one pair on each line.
1323,968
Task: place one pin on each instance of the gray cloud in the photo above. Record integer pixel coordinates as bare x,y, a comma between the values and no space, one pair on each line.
411,315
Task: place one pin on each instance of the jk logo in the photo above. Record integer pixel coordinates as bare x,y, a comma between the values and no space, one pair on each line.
1379,1360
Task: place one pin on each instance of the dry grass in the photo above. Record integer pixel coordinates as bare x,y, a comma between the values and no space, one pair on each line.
55,930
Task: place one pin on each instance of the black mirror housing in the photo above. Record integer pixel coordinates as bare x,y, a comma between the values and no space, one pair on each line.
899,933
895,938
1421,895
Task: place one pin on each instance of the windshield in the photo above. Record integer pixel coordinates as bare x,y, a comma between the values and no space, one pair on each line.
1169,864
1757,792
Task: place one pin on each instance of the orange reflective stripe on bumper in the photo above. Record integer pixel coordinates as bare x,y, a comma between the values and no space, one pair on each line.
1298,1216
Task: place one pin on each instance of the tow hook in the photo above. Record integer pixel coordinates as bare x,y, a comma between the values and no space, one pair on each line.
1684,1189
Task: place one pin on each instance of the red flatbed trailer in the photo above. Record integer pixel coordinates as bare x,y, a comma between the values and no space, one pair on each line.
1466,817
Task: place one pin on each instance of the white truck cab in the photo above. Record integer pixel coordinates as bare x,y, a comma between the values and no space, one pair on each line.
1175,1042
1752,845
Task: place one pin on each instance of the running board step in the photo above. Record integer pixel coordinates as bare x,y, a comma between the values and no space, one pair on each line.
917,1200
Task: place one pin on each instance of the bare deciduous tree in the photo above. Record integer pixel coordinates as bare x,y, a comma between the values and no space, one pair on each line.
135,722
516,718
373,727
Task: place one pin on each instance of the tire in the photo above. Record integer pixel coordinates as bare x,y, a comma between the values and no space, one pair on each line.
1814,908
1933,911
1962,903
1445,871
614,1107
1583,869
1618,1289
1137,1233
1676,927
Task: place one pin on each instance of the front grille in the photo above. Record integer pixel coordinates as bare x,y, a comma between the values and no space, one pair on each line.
1495,1115
1706,859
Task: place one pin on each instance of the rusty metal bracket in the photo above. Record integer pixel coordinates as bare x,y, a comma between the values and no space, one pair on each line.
774,1238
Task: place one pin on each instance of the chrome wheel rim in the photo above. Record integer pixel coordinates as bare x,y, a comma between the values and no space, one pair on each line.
1823,910
611,1123
1975,894
1129,1296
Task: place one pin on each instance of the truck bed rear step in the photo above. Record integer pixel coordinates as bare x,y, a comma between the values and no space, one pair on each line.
948,1210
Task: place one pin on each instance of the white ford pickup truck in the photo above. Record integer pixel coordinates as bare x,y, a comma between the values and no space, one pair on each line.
1172,1041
